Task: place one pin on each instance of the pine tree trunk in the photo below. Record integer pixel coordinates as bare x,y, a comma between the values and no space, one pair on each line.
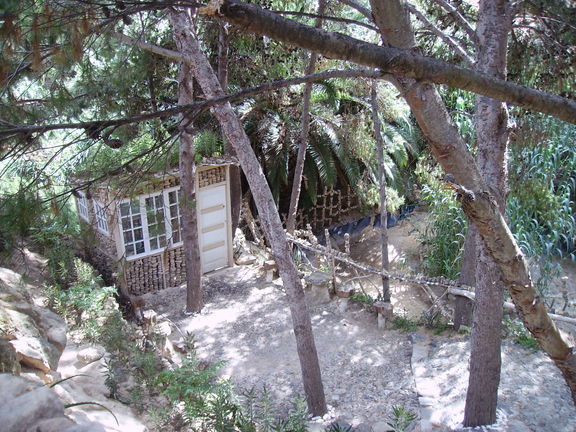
463,305
494,23
310,367
451,152
446,144
303,146
383,203
235,184
194,294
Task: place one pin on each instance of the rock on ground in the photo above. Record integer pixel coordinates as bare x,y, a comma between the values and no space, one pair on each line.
31,407
37,335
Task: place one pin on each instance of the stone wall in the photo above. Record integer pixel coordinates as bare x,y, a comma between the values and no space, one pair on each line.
155,272
100,249
210,176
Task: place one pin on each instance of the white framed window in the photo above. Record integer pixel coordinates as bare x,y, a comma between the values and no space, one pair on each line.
82,206
175,216
150,223
132,227
101,217
156,221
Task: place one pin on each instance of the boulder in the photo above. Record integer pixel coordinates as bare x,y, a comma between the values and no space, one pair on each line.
86,427
90,354
37,335
26,406
56,424
24,411
8,358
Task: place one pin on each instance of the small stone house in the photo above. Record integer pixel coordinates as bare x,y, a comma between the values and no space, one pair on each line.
132,233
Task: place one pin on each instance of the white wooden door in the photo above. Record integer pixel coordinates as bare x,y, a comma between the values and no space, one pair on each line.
213,227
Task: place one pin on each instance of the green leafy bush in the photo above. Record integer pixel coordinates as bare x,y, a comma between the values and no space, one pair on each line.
443,237
82,304
516,331
203,401
543,187
404,324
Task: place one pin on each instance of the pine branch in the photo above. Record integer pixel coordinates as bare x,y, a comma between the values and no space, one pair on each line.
460,51
28,130
363,10
459,18
327,18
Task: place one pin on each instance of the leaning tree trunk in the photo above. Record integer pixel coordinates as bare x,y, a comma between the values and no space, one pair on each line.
311,376
303,146
383,203
494,23
446,144
235,183
451,152
191,247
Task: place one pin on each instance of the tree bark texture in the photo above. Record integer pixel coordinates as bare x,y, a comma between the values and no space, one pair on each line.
235,183
451,152
494,23
393,60
194,294
383,203
463,307
267,211
305,124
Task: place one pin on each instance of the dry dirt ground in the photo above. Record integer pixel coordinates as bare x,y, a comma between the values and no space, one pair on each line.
366,370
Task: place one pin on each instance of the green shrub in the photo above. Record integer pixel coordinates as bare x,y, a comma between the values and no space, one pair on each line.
402,418
443,237
516,331
404,324
82,304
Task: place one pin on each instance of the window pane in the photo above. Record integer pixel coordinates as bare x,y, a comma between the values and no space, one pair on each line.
153,243
137,221
124,209
126,225
129,250
128,237
140,247
138,234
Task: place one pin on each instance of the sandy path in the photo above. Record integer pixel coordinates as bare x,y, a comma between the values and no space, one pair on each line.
246,322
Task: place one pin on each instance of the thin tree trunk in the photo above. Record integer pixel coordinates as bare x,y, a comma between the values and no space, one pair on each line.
303,146
383,203
464,306
194,301
235,183
494,23
309,365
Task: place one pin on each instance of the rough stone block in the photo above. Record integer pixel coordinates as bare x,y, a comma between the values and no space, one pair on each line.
86,427
90,354
57,424
26,410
